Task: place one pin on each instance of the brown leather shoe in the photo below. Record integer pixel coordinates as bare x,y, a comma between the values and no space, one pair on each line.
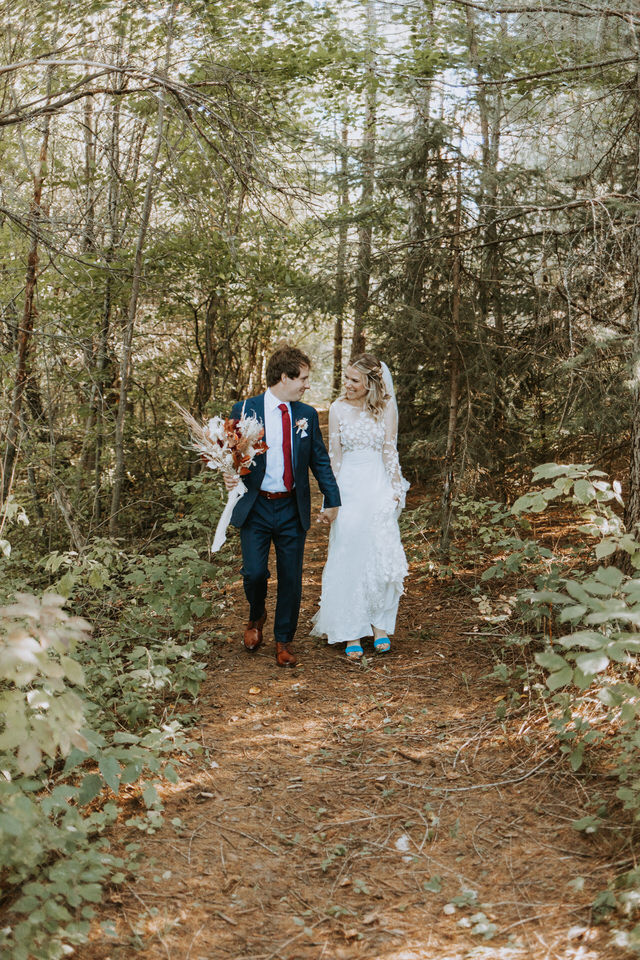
283,657
253,633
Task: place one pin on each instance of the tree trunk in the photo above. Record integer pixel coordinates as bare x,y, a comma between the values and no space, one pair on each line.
365,230
88,233
454,384
632,509
127,339
105,319
491,333
341,266
416,260
25,331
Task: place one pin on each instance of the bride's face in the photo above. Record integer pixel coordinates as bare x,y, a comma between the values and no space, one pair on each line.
355,386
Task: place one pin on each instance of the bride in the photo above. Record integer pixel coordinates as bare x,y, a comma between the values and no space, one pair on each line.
363,577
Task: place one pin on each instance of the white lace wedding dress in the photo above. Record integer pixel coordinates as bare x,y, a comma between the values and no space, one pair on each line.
363,577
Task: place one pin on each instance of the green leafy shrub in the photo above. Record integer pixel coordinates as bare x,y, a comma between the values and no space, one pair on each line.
83,714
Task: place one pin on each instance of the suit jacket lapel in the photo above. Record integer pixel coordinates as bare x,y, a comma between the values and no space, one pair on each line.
261,460
294,433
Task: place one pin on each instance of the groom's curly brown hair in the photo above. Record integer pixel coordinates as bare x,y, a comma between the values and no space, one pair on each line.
288,360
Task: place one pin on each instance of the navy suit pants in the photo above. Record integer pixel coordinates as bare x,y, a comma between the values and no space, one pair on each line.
277,522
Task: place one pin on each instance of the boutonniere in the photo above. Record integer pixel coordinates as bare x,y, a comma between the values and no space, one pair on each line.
301,427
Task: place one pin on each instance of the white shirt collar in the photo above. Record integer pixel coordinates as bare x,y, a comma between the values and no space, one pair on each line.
272,402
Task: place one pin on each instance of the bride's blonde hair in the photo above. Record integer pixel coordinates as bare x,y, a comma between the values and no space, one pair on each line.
376,396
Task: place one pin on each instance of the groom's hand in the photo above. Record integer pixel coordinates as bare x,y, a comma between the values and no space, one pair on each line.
328,515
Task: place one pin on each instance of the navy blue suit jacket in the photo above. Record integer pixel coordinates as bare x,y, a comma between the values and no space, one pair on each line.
309,453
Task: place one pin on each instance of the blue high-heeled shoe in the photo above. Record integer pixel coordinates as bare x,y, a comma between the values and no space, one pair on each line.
382,644
354,651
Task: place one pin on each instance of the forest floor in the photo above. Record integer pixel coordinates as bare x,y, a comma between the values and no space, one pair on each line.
375,810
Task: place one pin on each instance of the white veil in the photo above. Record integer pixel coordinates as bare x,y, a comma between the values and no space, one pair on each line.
388,382
403,484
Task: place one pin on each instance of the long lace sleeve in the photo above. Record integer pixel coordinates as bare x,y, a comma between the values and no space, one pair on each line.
335,447
390,454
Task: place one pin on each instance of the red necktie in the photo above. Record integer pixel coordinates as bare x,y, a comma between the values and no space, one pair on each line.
286,446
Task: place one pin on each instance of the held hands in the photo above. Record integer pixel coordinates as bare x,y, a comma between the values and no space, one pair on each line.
328,515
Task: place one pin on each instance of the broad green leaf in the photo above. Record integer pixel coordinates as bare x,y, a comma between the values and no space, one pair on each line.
29,757
11,826
534,502
588,824
90,788
610,575
150,795
73,670
575,757
90,891
110,770
621,650
581,679
66,584
96,579
594,662
605,548
434,885
551,661
577,592
584,490
548,596
122,737
546,471
560,679
572,613
609,697
583,638
132,772
597,589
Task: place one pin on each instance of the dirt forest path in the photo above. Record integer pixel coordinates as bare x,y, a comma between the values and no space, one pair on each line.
375,810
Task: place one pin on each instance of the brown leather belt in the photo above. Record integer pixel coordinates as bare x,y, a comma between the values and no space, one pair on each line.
275,496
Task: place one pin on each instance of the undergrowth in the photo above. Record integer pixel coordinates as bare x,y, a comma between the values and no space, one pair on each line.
564,621
91,705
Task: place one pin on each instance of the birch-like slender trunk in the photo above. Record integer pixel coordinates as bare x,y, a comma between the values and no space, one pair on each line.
454,383
88,233
365,230
341,266
113,202
632,508
415,266
127,339
25,330
491,333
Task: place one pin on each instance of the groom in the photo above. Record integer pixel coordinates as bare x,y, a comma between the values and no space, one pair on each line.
277,505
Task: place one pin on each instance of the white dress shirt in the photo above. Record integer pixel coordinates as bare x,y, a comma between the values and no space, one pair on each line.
273,481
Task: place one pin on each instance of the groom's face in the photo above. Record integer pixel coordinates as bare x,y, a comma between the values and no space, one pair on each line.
293,389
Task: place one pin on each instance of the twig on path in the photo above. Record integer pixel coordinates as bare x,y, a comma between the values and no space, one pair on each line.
539,916
409,676
193,940
343,823
223,916
467,742
190,844
170,845
247,836
286,943
474,786
473,836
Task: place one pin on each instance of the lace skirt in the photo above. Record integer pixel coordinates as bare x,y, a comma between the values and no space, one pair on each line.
363,577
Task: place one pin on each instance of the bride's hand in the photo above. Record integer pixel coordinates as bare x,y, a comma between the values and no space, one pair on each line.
328,515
